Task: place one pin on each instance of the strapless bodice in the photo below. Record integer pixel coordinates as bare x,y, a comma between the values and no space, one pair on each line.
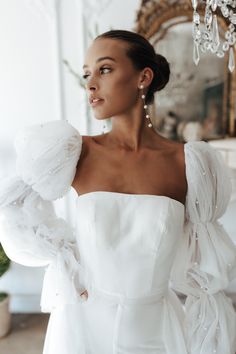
127,242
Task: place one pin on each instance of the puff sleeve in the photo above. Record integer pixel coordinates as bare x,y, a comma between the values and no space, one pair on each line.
206,258
31,233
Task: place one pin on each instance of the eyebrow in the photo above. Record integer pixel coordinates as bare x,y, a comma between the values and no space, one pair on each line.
100,59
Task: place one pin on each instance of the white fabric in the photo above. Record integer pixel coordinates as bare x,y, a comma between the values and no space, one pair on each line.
206,259
127,244
124,252
31,233
45,152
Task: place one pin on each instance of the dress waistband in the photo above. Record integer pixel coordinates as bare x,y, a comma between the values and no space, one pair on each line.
123,299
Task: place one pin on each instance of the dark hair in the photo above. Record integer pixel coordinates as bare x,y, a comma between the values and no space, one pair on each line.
142,54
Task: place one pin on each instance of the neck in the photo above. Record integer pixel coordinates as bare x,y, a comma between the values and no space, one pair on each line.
130,131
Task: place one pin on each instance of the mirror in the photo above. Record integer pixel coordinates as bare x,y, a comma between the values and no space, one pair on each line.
199,101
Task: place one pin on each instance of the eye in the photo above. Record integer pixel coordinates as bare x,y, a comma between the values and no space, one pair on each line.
85,76
104,69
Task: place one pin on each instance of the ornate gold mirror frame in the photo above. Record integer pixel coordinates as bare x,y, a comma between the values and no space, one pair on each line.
153,20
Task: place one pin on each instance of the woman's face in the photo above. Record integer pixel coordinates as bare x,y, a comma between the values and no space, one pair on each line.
111,79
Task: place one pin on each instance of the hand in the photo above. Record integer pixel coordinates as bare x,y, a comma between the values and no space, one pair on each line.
84,294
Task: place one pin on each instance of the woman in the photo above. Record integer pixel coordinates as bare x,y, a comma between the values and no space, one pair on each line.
147,220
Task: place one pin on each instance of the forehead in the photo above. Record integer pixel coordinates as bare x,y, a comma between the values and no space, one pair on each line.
106,47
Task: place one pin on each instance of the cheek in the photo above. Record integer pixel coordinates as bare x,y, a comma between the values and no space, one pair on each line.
120,94
123,91
124,83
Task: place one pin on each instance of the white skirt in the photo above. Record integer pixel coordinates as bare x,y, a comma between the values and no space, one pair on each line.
111,324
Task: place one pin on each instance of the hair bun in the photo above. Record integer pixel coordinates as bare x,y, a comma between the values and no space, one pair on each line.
162,73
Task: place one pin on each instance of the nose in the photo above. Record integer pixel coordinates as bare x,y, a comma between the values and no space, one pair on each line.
91,85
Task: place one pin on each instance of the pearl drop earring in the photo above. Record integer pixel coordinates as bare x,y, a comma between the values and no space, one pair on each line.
145,106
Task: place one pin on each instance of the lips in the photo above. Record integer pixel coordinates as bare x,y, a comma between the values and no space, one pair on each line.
94,101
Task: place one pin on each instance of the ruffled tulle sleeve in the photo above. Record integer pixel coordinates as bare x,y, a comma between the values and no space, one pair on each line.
31,233
206,258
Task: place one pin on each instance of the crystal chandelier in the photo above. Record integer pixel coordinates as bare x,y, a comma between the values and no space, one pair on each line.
207,38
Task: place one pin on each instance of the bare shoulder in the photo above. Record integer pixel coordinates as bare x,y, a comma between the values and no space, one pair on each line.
179,152
179,170
177,155
87,160
89,139
86,141
172,163
174,149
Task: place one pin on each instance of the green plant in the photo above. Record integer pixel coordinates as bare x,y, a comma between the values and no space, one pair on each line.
78,77
4,266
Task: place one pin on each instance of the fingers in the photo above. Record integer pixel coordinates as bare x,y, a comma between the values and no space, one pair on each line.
84,295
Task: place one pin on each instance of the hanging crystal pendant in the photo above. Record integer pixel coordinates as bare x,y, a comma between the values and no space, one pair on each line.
227,35
231,28
196,56
225,46
220,54
214,5
196,18
208,17
231,65
232,17
194,3
215,35
225,11
232,40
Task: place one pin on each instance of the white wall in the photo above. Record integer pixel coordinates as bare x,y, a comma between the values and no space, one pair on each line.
26,85
27,97
30,94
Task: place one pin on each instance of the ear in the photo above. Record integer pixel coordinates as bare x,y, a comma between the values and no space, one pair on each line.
145,77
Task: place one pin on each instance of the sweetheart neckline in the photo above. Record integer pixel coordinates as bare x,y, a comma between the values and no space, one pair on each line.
131,194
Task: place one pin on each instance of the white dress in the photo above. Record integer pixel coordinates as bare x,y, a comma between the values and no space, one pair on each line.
132,252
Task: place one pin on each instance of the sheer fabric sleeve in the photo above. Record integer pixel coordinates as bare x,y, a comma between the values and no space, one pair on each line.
31,233
206,258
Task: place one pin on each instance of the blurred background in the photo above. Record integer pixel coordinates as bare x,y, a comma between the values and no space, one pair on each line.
42,46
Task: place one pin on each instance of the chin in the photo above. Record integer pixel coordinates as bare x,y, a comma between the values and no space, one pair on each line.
101,116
